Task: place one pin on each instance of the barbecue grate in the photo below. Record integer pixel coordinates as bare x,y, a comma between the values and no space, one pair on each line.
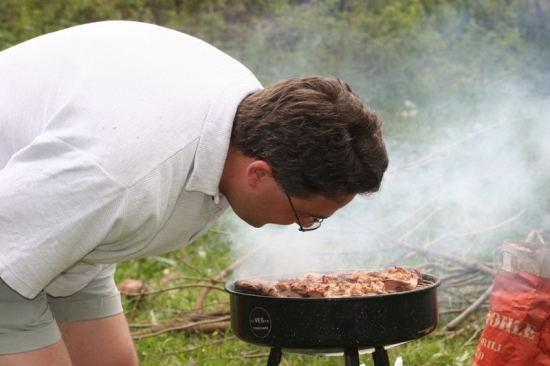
424,284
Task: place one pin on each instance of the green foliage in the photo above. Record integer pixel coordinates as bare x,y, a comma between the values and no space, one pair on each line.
431,52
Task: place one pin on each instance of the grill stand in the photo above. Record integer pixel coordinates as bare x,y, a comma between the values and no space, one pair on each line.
380,356
351,355
275,357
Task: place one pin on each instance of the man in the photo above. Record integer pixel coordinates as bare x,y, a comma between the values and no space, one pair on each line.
122,140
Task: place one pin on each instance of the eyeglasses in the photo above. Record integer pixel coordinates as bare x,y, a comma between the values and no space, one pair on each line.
316,221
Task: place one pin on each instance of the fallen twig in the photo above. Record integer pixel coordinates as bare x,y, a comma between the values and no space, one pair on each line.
212,343
414,212
417,226
434,253
185,326
189,285
428,158
190,317
500,224
209,328
470,309
202,296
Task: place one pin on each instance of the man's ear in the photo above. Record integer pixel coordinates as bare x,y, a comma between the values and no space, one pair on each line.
257,171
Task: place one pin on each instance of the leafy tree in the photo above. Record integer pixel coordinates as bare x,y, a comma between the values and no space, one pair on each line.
429,52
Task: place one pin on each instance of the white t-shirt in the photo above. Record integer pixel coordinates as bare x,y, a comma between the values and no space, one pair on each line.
113,137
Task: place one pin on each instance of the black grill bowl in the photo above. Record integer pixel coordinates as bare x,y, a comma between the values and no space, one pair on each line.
328,325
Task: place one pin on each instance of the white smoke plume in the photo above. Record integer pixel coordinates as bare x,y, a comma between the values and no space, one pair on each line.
473,172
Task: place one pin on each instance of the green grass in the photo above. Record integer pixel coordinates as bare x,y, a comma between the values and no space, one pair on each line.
177,349
206,258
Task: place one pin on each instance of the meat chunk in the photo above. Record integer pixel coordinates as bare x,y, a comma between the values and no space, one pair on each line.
399,279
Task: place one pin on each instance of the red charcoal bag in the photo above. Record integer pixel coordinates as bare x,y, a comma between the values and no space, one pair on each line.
517,328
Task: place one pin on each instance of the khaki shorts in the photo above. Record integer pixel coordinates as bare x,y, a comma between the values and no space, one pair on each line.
27,325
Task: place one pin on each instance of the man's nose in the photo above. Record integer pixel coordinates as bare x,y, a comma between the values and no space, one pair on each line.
307,221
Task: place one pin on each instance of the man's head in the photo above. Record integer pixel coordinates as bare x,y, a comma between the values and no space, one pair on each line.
316,134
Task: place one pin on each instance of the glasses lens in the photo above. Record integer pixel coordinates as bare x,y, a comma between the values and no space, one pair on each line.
314,226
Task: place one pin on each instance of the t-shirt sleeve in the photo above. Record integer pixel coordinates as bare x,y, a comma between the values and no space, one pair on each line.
44,229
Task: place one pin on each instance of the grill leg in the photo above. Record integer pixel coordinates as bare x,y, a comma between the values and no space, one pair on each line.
352,356
380,356
275,357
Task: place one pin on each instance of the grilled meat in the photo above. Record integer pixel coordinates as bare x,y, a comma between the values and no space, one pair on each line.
337,284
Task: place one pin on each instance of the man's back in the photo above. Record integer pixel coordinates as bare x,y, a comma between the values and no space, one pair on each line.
111,136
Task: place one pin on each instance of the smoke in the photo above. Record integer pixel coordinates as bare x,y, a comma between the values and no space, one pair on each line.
467,133
464,200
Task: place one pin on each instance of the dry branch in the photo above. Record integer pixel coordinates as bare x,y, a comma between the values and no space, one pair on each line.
420,224
211,343
209,328
499,225
452,324
189,327
430,157
220,276
414,212
189,285
435,253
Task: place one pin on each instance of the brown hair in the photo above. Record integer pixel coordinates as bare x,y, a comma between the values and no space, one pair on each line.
316,134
